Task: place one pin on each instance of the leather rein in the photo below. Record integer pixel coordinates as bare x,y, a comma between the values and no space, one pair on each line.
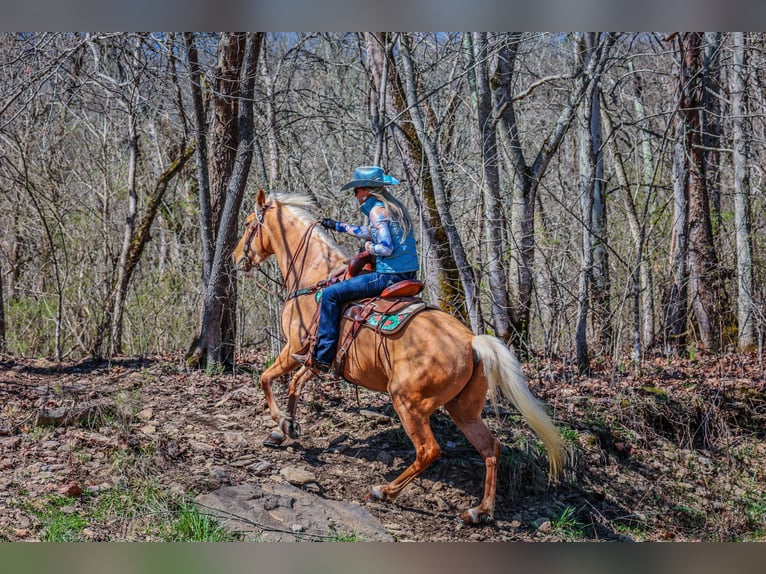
254,230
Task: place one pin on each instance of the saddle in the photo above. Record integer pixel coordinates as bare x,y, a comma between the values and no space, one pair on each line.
386,315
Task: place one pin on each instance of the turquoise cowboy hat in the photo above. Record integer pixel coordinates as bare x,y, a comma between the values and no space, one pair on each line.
370,176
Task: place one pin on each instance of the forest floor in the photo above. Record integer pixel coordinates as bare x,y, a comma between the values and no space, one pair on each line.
116,450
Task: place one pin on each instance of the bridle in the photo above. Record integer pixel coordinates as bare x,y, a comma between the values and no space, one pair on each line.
254,230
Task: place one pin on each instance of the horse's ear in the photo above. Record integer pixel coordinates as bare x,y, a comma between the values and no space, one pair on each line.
260,199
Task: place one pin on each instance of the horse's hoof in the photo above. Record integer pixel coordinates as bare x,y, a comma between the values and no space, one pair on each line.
474,516
290,427
376,493
275,439
293,429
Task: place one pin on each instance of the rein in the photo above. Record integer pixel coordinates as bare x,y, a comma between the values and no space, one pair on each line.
255,231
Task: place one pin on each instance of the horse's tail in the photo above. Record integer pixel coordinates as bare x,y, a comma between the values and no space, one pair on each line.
502,369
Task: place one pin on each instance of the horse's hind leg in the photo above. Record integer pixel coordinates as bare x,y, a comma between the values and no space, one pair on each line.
416,425
465,410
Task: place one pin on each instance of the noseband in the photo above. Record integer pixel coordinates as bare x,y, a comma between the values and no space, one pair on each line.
254,229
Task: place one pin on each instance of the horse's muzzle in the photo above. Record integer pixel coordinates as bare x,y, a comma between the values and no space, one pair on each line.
243,264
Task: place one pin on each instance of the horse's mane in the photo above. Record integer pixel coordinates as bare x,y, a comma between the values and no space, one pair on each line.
302,206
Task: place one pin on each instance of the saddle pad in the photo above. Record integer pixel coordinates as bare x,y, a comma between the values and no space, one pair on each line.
388,319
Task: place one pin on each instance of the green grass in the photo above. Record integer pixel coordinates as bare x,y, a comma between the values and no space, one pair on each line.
566,524
192,526
60,522
146,511
337,536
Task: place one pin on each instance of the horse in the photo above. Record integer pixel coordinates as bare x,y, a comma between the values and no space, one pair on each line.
435,361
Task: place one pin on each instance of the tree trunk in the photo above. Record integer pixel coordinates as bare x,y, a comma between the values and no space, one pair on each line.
2,313
238,59
675,313
120,289
203,174
601,282
745,306
493,217
703,273
586,189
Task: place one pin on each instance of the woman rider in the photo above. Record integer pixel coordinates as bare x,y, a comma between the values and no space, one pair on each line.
389,237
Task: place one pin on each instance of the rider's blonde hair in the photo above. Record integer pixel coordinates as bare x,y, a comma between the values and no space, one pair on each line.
395,208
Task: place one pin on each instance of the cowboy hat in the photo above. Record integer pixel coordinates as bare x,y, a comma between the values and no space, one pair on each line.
370,176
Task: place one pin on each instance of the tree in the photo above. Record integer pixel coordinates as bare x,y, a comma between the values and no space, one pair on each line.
232,142
528,176
742,218
594,271
704,286
493,221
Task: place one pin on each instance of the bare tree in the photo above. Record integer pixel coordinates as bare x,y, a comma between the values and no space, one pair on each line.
527,176
449,276
233,151
743,226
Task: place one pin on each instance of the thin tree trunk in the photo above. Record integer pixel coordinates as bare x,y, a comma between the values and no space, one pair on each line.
745,306
493,219
120,289
639,230
203,176
601,282
675,314
2,313
586,189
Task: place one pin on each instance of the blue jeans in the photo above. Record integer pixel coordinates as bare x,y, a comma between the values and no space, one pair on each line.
336,296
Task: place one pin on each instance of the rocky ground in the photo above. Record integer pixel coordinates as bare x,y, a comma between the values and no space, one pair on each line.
675,452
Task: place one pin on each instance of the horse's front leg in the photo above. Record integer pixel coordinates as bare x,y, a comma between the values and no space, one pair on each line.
283,364
289,424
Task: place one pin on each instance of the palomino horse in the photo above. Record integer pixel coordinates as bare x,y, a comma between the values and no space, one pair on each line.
434,361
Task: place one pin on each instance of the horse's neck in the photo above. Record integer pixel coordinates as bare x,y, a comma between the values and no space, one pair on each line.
304,261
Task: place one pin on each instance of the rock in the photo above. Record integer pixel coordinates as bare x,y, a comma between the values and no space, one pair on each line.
375,415
385,458
72,489
260,467
220,474
145,414
297,476
542,524
242,508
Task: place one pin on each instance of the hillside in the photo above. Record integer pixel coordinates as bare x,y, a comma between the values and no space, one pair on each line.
116,451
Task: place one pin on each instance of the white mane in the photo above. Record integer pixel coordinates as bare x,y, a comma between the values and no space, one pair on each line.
301,205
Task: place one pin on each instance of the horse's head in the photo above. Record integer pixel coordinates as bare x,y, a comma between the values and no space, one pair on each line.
253,246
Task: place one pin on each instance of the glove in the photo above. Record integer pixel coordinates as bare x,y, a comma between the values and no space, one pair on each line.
328,223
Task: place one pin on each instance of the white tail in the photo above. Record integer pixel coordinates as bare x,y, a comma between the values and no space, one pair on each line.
503,370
